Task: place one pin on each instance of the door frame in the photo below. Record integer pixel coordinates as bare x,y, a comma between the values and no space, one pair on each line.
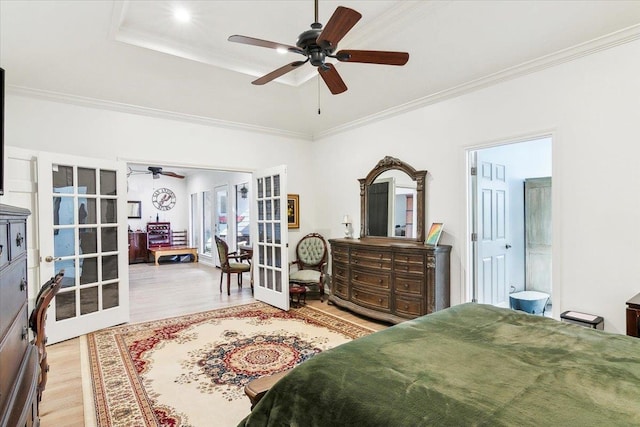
468,290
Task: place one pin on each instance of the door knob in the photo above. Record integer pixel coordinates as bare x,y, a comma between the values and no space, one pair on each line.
507,246
50,259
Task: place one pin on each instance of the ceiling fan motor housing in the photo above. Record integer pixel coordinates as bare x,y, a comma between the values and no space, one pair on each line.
307,41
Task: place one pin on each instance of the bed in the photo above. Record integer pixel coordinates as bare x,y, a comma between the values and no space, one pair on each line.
471,364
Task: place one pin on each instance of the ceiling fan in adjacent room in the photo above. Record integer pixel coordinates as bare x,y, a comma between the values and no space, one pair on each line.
156,171
318,44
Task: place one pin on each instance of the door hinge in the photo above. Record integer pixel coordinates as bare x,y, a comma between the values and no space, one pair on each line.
474,237
474,171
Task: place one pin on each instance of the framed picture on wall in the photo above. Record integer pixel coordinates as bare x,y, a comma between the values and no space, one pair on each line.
434,234
293,210
134,209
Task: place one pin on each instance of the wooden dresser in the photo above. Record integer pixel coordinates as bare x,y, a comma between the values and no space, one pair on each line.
389,281
19,361
633,316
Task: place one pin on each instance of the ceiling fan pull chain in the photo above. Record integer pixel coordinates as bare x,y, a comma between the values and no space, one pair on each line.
318,94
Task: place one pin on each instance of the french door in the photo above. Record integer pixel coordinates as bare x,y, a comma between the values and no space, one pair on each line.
270,246
82,229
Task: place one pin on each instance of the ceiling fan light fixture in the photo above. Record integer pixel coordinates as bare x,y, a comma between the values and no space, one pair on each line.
182,15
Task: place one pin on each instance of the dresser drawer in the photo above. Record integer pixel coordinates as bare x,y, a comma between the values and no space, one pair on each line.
410,307
12,350
340,270
341,288
371,279
379,301
13,293
340,254
409,285
17,238
374,259
4,244
408,263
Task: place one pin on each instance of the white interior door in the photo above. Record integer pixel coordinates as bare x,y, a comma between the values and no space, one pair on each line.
270,245
492,216
82,225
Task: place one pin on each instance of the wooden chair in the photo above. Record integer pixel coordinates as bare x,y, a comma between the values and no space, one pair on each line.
229,267
37,323
311,263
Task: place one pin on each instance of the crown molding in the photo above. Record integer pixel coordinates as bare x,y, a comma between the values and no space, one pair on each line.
150,112
608,41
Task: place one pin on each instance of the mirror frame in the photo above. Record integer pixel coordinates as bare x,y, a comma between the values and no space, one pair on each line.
419,176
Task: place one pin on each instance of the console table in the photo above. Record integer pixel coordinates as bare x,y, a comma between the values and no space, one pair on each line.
633,316
389,280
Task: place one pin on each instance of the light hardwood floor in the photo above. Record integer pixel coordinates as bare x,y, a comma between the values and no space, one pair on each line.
156,292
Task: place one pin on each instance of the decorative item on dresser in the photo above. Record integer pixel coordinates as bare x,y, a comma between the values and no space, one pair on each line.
19,360
633,316
387,275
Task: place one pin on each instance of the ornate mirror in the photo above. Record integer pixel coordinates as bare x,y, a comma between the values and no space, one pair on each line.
392,201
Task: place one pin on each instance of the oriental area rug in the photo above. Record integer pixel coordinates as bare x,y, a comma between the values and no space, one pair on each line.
190,371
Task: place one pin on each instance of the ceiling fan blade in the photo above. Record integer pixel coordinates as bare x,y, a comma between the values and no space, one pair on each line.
172,174
373,57
277,73
264,43
342,20
332,79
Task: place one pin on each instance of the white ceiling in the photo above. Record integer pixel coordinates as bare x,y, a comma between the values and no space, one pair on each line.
134,55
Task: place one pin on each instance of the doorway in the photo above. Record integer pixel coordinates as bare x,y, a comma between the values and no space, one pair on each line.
500,262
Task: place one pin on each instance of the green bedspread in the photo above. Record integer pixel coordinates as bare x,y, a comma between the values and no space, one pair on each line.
469,365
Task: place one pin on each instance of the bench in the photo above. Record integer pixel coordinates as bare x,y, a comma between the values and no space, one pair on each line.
260,386
159,251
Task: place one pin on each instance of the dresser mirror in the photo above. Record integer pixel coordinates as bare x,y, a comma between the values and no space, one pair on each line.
392,201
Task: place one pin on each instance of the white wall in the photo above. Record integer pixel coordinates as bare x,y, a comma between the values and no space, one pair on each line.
591,106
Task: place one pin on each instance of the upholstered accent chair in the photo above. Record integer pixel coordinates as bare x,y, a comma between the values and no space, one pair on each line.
310,266
228,267
36,323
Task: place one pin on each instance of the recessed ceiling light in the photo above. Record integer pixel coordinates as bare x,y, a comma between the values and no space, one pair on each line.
182,15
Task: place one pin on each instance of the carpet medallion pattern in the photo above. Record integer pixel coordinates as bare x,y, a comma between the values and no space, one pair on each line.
178,372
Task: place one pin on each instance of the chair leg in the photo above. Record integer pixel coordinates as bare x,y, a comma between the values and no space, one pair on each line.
221,274
239,280
228,283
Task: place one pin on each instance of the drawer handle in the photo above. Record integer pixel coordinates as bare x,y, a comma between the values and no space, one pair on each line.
380,265
25,333
19,239
406,286
380,300
23,285
380,281
406,306
355,261
355,295
355,277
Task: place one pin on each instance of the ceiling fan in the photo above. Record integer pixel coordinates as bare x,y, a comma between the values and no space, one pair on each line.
318,44
156,171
